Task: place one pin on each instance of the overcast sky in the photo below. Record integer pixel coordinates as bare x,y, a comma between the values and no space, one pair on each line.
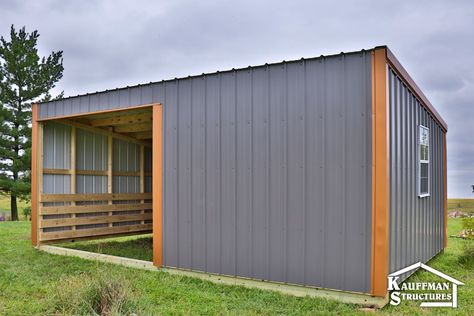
109,44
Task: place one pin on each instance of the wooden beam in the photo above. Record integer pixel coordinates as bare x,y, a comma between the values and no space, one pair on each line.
34,174
73,168
109,111
157,185
110,149
94,197
124,119
67,234
445,191
94,172
70,209
133,128
143,135
103,131
62,222
380,175
142,174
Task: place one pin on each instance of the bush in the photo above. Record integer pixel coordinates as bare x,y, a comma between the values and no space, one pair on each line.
468,225
27,212
87,295
467,256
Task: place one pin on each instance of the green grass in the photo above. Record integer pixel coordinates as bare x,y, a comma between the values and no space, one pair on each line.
464,205
5,205
37,283
136,247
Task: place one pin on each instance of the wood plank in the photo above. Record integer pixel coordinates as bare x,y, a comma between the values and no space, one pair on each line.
103,131
61,222
114,111
132,128
93,232
142,174
71,209
34,175
157,185
94,197
57,171
142,135
140,232
73,167
380,175
124,119
110,149
94,172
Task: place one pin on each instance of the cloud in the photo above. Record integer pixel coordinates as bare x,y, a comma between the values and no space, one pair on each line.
108,44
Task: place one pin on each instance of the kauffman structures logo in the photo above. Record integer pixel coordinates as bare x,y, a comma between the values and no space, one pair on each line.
431,294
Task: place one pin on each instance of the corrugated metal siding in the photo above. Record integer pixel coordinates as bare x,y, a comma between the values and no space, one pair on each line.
126,158
266,170
56,155
416,224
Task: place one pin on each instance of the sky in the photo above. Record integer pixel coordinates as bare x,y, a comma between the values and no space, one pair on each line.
109,44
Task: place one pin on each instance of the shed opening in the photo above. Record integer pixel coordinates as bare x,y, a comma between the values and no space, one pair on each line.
94,175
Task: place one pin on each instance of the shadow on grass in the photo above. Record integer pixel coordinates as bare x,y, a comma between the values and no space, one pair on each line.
136,247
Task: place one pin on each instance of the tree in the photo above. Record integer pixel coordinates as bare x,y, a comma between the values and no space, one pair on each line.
25,77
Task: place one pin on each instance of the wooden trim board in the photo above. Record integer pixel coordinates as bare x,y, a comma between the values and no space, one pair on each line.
380,175
34,174
98,112
94,197
290,289
70,209
445,191
157,182
73,234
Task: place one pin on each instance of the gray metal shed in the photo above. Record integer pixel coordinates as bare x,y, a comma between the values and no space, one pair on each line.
304,172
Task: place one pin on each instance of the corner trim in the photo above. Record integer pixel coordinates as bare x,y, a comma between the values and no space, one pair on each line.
380,174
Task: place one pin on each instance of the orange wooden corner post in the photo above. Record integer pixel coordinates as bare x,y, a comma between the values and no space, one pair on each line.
445,191
380,174
157,185
34,171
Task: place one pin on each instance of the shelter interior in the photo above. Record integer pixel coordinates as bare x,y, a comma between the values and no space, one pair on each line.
95,175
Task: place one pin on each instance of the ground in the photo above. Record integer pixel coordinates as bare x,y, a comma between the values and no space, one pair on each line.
37,283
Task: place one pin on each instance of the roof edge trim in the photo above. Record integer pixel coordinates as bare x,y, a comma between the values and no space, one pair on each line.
400,70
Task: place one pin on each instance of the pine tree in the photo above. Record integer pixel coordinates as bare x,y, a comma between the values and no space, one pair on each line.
25,77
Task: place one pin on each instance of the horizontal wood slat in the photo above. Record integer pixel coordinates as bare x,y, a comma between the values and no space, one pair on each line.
94,172
73,209
61,222
125,119
70,234
94,197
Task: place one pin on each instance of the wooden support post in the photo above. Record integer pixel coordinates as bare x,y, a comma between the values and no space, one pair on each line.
73,168
40,178
34,175
142,175
157,185
380,175
110,148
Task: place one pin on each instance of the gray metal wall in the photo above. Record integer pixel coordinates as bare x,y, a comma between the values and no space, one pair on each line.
416,224
267,170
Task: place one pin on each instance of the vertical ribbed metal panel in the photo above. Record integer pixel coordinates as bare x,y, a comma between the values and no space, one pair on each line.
416,224
91,154
263,172
56,155
266,170
126,158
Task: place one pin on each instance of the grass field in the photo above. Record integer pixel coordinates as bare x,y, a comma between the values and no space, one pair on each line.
37,283
465,205
5,206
